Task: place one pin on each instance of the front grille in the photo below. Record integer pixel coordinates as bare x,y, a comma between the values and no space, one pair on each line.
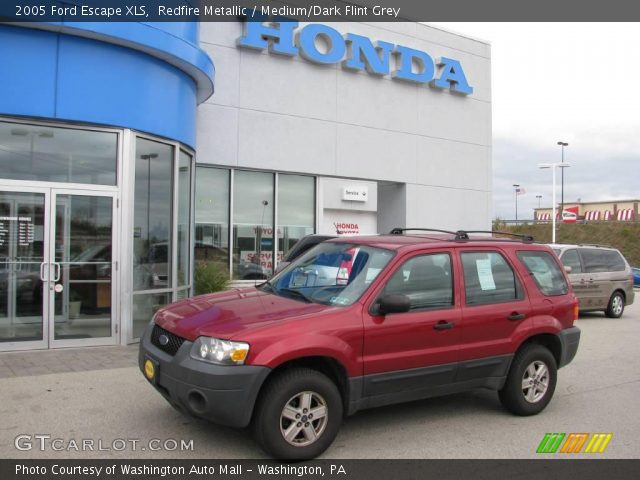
172,346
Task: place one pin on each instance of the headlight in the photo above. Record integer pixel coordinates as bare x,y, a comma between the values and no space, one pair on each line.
221,352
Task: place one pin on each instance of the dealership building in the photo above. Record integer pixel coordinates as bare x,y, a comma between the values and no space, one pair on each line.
129,152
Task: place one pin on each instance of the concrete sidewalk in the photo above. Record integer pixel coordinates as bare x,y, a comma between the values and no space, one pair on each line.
65,360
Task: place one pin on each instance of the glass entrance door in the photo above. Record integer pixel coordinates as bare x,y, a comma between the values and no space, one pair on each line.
24,223
81,288
56,268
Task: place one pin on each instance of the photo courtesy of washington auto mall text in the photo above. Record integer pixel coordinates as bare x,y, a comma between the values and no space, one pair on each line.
359,239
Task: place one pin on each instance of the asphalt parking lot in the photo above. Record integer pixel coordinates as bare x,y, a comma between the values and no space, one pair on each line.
598,392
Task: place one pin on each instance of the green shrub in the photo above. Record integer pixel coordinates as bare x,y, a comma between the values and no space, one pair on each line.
209,277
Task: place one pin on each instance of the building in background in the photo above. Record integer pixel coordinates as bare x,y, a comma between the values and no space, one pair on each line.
606,210
120,166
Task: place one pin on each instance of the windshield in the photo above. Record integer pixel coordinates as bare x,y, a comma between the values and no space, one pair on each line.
330,273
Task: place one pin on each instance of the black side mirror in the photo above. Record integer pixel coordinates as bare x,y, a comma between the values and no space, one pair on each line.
394,303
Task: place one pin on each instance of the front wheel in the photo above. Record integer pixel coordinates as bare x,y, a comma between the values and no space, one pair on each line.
298,415
616,306
531,381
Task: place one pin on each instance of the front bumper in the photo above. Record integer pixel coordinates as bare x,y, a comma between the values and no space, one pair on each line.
224,395
569,339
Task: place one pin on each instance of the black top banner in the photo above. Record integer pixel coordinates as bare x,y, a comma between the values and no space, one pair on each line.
317,10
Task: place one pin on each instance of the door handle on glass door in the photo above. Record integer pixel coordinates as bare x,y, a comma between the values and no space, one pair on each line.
57,272
42,279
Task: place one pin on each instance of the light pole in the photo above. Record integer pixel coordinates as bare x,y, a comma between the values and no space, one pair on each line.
553,167
539,197
515,187
562,145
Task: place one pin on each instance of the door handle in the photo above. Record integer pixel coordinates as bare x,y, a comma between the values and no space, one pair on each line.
56,265
516,316
444,325
42,271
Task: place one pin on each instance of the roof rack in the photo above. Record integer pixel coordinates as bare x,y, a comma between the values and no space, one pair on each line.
459,235
523,237
463,235
594,245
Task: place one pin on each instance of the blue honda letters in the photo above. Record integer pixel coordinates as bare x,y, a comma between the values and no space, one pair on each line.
355,52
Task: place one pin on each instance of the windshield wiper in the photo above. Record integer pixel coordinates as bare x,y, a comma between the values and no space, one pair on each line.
295,292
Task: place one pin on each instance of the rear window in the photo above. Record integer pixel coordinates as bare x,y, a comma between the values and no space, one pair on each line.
545,271
599,260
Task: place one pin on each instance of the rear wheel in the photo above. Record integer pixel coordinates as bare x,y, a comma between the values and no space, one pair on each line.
616,305
531,381
298,415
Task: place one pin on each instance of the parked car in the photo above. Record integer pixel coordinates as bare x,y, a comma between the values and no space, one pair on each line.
600,275
636,276
303,245
406,317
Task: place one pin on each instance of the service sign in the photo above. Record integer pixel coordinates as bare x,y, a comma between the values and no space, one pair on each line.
355,194
325,45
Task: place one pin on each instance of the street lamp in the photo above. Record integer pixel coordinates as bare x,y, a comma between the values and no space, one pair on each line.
562,145
539,197
516,186
553,167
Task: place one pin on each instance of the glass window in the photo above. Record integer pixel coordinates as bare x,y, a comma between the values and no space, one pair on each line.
488,278
615,262
212,215
296,210
571,259
252,225
426,280
184,218
152,216
331,274
545,272
145,307
52,154
597,260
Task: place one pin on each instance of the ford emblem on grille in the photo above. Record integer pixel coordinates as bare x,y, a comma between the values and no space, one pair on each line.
163,339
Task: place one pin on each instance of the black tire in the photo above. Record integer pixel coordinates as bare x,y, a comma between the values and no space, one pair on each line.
615,308
513,395
287,388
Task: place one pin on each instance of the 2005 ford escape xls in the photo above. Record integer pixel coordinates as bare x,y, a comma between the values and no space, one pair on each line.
360,322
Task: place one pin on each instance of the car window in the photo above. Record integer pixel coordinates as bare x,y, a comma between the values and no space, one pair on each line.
614,260
488,278
426,279
571,259
599,260
545,272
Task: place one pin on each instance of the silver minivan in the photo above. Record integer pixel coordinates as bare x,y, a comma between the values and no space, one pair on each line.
601,277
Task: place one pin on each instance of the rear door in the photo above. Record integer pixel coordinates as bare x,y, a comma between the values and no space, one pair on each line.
418,349
597,279
579,279
494,306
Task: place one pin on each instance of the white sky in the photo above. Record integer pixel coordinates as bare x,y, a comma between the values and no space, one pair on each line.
575,82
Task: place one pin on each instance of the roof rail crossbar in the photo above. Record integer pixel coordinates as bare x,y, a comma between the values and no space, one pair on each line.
594,245
459,235
523,237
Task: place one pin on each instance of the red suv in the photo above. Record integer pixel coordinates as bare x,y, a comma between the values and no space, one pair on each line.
360,322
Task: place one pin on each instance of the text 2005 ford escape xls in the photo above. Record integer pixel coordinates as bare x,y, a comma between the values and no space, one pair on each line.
360,322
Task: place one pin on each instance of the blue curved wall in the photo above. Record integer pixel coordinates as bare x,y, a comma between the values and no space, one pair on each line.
149,77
